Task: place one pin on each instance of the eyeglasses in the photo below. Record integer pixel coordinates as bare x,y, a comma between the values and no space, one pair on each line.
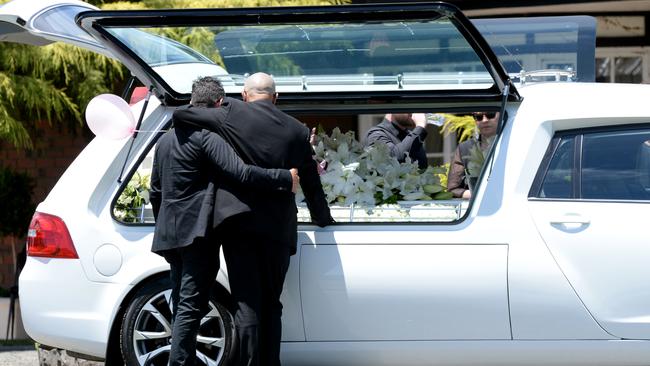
488,115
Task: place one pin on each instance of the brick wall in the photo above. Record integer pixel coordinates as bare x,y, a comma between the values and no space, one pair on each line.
54,149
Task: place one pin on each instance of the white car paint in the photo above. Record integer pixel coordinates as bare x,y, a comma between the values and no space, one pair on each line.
359,290
401,287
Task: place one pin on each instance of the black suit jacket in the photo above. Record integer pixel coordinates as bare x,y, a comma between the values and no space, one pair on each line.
189,164
267,137
402,143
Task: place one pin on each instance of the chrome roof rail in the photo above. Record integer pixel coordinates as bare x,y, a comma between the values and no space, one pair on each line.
540,76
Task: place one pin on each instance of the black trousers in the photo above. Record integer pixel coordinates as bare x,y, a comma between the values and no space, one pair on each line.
257,268
193,271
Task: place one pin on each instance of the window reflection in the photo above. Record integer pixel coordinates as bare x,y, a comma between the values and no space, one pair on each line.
619,69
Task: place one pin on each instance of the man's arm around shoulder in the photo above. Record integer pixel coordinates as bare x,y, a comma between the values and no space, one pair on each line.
229,165
208,118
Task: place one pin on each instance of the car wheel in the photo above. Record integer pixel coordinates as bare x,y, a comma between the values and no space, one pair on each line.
145,335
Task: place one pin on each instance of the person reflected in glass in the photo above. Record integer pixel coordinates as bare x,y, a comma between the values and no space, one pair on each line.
404,134
470,154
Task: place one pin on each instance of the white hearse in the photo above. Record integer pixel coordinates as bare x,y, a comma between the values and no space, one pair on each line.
547,264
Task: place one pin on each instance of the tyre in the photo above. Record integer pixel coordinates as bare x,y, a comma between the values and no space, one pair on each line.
145,334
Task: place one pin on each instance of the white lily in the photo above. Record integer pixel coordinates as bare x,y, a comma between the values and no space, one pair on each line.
358,175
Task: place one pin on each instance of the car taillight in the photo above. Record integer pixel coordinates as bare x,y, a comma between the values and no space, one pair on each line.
49,237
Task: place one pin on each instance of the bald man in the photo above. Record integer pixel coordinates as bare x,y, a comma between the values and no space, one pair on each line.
257,245
259,87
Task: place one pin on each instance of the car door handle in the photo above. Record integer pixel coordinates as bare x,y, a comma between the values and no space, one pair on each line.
570,219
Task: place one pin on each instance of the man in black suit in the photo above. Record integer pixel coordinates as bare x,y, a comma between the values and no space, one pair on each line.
257,245
404,135
189,164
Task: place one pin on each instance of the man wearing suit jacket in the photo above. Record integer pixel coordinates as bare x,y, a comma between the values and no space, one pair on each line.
189,164
404,135
257,245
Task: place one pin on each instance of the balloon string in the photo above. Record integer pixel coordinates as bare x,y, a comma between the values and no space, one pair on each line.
149,131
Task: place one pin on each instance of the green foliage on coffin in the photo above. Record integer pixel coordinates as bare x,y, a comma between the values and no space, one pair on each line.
130,206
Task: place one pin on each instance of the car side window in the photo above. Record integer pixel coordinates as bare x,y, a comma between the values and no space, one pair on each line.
616,165
558,182
613,165
132,205
364,181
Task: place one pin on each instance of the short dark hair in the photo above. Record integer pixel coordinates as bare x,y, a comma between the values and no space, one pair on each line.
206,91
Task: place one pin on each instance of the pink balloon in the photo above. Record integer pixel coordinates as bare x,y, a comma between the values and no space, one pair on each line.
110,117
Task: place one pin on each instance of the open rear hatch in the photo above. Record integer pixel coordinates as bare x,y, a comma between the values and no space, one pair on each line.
335,55
347,55
40,22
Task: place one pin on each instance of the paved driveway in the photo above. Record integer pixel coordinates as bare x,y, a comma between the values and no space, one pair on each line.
26,355
18,356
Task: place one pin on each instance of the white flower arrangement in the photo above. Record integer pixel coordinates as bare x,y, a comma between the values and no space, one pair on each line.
369,176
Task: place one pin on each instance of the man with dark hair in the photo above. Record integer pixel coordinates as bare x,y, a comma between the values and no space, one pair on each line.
189,164
258,245
207,92
404,135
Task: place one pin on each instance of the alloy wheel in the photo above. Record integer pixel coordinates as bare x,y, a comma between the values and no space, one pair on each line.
152,333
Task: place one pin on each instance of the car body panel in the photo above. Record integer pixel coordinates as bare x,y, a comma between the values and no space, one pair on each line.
100,165
600,257
352,288
603,260
488,353
64,311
